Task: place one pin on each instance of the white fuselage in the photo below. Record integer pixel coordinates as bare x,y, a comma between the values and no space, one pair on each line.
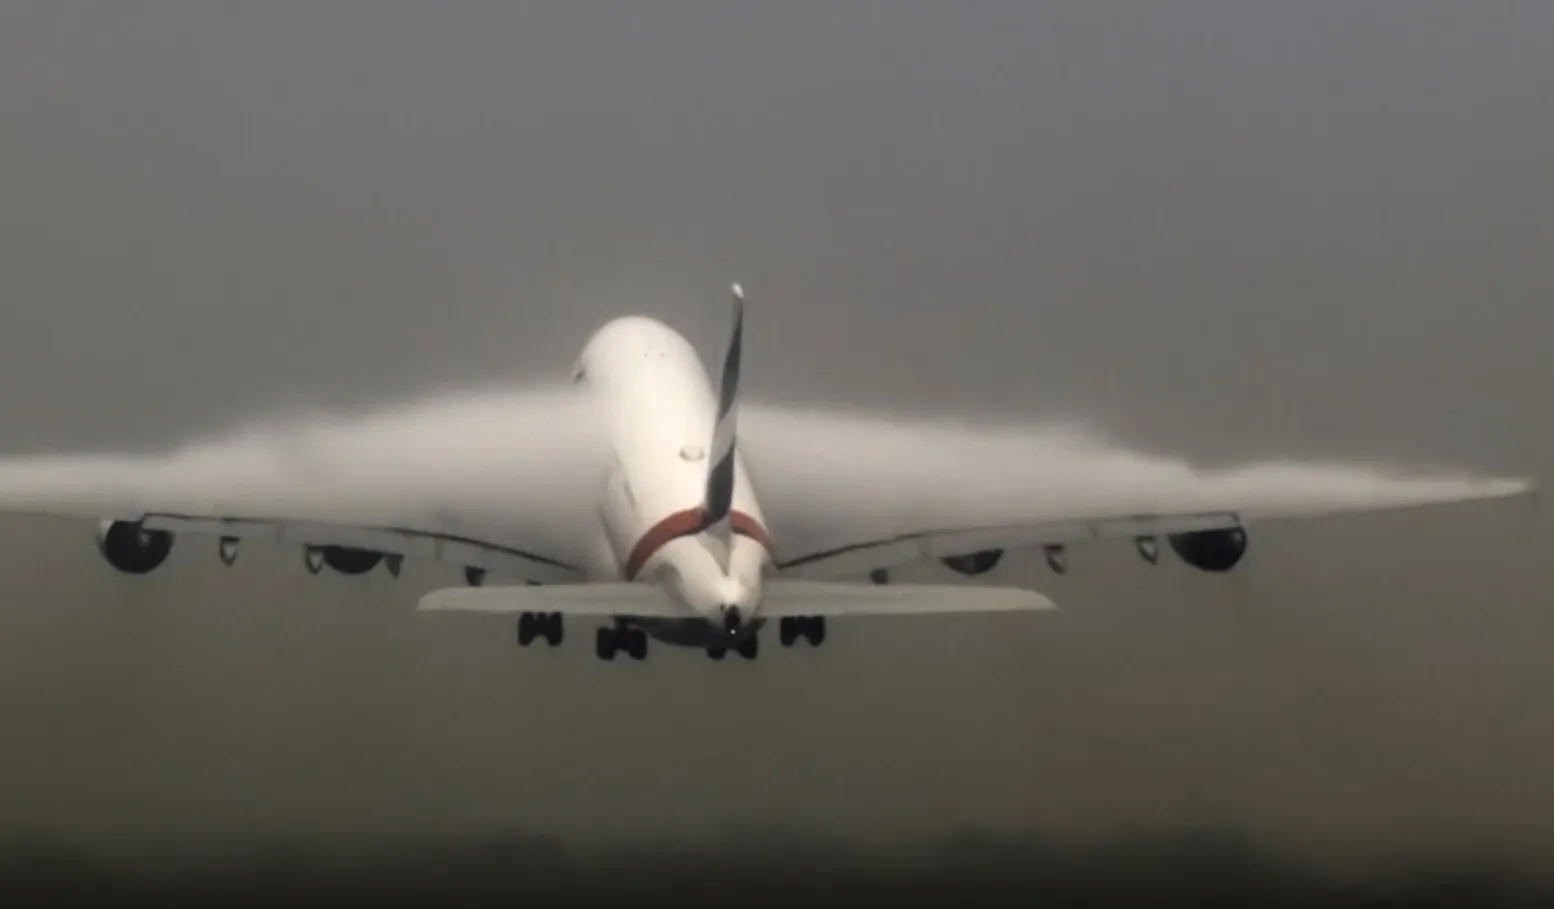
660,409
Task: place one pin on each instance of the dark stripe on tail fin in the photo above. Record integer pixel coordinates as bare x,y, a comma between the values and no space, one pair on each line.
718,498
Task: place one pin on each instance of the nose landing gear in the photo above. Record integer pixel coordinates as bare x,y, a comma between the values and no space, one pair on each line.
749,648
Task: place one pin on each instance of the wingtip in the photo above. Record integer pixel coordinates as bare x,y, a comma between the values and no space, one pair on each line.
1518,488
1533,493
1527,490
1041,602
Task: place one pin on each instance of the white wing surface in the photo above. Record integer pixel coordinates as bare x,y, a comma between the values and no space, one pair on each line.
845,494
504,481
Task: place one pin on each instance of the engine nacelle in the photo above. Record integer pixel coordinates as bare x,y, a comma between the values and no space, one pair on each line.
346,560
1210,550
132,549
974,563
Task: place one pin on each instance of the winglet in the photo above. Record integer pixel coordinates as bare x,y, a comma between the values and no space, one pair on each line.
718,498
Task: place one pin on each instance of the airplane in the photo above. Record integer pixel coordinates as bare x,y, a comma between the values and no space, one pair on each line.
646,496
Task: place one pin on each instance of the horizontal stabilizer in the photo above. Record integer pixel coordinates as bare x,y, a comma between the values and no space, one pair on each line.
784,597
781,597
647,600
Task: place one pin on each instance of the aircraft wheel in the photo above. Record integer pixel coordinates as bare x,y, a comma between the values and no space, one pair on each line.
553,629
605,643
717,653
473,576
815,630
787,630
811,628
636,644
749,648
528,629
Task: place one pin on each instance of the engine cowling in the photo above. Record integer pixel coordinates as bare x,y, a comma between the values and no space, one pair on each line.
974,563
1211,550
347,560
132,549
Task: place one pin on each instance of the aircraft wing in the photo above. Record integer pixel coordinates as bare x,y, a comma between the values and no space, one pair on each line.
845,494
500,552
500,481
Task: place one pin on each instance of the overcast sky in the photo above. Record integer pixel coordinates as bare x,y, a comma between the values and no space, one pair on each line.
1217,227
1321,225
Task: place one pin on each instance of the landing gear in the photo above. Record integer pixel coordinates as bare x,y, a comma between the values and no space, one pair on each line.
608,641
532,625
749,648
880,576
810,627
473,576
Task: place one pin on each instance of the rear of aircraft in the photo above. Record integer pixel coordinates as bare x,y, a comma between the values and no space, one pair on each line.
713,564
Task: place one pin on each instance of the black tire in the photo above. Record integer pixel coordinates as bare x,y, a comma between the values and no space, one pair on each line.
749,648
717,653
605,644
527,629
554,631
788,630
473,576
815,630
636,644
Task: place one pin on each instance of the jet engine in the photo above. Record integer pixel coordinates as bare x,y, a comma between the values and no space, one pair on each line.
974,563
132,549
343,559
1210,550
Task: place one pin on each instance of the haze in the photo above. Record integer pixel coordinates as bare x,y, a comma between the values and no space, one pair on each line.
1214,231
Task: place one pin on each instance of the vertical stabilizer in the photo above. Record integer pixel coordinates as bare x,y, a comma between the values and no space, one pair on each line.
718,499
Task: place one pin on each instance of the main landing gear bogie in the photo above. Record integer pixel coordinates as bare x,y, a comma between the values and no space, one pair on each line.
610,640
809,627
535,625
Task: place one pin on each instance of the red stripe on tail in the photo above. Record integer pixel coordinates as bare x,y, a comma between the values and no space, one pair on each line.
685,523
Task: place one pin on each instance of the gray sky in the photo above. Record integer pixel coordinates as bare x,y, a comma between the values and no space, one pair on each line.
1218,228
1176,218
